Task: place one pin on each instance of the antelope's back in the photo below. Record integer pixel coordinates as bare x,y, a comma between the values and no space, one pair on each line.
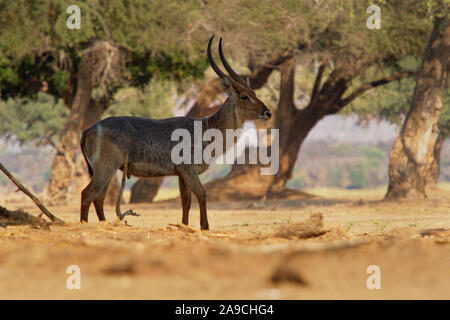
146,141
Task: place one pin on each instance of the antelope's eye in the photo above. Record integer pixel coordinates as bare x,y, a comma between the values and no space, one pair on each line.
244,97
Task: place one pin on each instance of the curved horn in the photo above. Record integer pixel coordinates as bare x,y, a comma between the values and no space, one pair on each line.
227,66
211,61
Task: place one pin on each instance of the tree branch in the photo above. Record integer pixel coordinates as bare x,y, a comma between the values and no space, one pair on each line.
318,80
367,86
29,194
260,73
46,140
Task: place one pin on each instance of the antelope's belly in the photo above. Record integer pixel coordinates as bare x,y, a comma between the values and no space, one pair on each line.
146,169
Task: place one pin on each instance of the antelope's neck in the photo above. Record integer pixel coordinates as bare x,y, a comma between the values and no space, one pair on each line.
226,117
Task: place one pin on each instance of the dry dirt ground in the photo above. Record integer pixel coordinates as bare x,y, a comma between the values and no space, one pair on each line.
244,256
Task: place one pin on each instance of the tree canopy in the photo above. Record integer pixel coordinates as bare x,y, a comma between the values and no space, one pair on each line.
38,51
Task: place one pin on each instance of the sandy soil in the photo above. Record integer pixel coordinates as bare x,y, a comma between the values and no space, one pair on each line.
240,258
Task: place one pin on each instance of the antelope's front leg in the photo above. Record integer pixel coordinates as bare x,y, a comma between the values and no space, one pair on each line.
192,182
186,196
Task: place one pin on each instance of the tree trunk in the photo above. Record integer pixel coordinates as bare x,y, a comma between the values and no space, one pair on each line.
245,181
435,169
64,166
412,155
145,189
202,106
68,174
113,190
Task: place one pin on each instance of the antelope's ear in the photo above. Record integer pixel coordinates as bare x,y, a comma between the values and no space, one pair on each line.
228,87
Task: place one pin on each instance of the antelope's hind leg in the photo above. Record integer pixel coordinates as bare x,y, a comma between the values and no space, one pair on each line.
96,191
98,204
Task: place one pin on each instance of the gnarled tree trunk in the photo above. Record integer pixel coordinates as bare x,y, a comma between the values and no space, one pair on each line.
435,168
412,155
99,65
67,173
145,189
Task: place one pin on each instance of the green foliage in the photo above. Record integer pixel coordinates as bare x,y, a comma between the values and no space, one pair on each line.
388,102
36,46
140,25
61,80
444,118
391,102
334,177
342,149
176,66
342,165
300,181
445,163
333,27
374,155
3,180
363,173
349,225
25,120
165,40
38,51
380,225
156,100
357,175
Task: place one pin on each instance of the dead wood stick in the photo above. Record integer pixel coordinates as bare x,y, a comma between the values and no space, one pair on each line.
30,195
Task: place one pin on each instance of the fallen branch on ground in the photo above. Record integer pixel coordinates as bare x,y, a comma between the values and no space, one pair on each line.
19,217
30,195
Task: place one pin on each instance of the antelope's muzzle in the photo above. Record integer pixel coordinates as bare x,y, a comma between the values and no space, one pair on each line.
266,115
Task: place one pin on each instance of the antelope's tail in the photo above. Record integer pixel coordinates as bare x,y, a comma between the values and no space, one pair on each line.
83,151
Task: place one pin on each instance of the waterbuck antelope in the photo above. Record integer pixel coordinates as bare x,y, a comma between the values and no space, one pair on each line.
142,147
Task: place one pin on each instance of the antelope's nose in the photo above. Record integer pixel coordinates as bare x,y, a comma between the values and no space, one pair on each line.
267,114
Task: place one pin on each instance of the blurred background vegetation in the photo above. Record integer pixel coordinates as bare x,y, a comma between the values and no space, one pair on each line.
161,68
